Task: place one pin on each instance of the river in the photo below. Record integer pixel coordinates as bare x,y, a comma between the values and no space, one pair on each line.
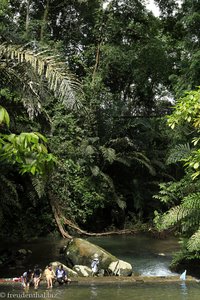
148,256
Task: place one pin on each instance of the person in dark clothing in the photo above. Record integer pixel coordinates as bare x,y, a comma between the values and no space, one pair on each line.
27,278
37,273
61,275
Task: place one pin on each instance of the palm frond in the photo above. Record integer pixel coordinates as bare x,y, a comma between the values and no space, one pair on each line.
49,67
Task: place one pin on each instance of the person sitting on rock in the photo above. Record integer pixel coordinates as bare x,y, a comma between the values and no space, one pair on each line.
95,265
37,273
50,275
61,275
27,278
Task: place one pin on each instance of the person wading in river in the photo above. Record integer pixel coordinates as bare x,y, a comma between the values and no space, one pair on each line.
95,265
27,279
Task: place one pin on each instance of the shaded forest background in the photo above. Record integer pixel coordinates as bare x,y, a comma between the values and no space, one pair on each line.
96,125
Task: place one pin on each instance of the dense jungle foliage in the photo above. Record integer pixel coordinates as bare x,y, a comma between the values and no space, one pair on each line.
99,117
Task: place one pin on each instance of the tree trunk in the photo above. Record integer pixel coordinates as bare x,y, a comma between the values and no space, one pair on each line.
83,232
96,62
61,220
44,20
58,219
27,17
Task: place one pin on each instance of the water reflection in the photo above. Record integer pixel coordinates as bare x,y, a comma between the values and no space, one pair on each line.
141,291
184,291
93,292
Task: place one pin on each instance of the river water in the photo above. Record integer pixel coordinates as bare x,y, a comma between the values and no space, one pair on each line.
148,256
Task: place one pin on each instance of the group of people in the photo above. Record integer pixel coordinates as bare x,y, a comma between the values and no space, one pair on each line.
51,277
35,276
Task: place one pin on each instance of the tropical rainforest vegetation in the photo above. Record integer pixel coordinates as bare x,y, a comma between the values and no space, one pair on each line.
99,118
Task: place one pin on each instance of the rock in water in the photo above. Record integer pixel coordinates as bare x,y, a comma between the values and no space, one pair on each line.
120,268
81,252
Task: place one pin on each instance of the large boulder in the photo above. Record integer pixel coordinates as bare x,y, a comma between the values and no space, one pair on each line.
81,252
120,268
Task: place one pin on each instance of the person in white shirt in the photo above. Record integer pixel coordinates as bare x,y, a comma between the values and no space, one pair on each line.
61,275
95,264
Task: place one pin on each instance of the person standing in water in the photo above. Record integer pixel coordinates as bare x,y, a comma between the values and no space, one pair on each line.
95,265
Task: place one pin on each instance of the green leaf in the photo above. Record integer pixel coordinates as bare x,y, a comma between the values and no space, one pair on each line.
4,116
43,138
196,165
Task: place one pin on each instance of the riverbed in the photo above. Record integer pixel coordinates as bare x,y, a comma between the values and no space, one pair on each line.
148,256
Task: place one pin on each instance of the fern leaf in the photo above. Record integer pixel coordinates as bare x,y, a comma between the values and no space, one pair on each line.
39,184
108,154
179,153
171,217
194,242
191,202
